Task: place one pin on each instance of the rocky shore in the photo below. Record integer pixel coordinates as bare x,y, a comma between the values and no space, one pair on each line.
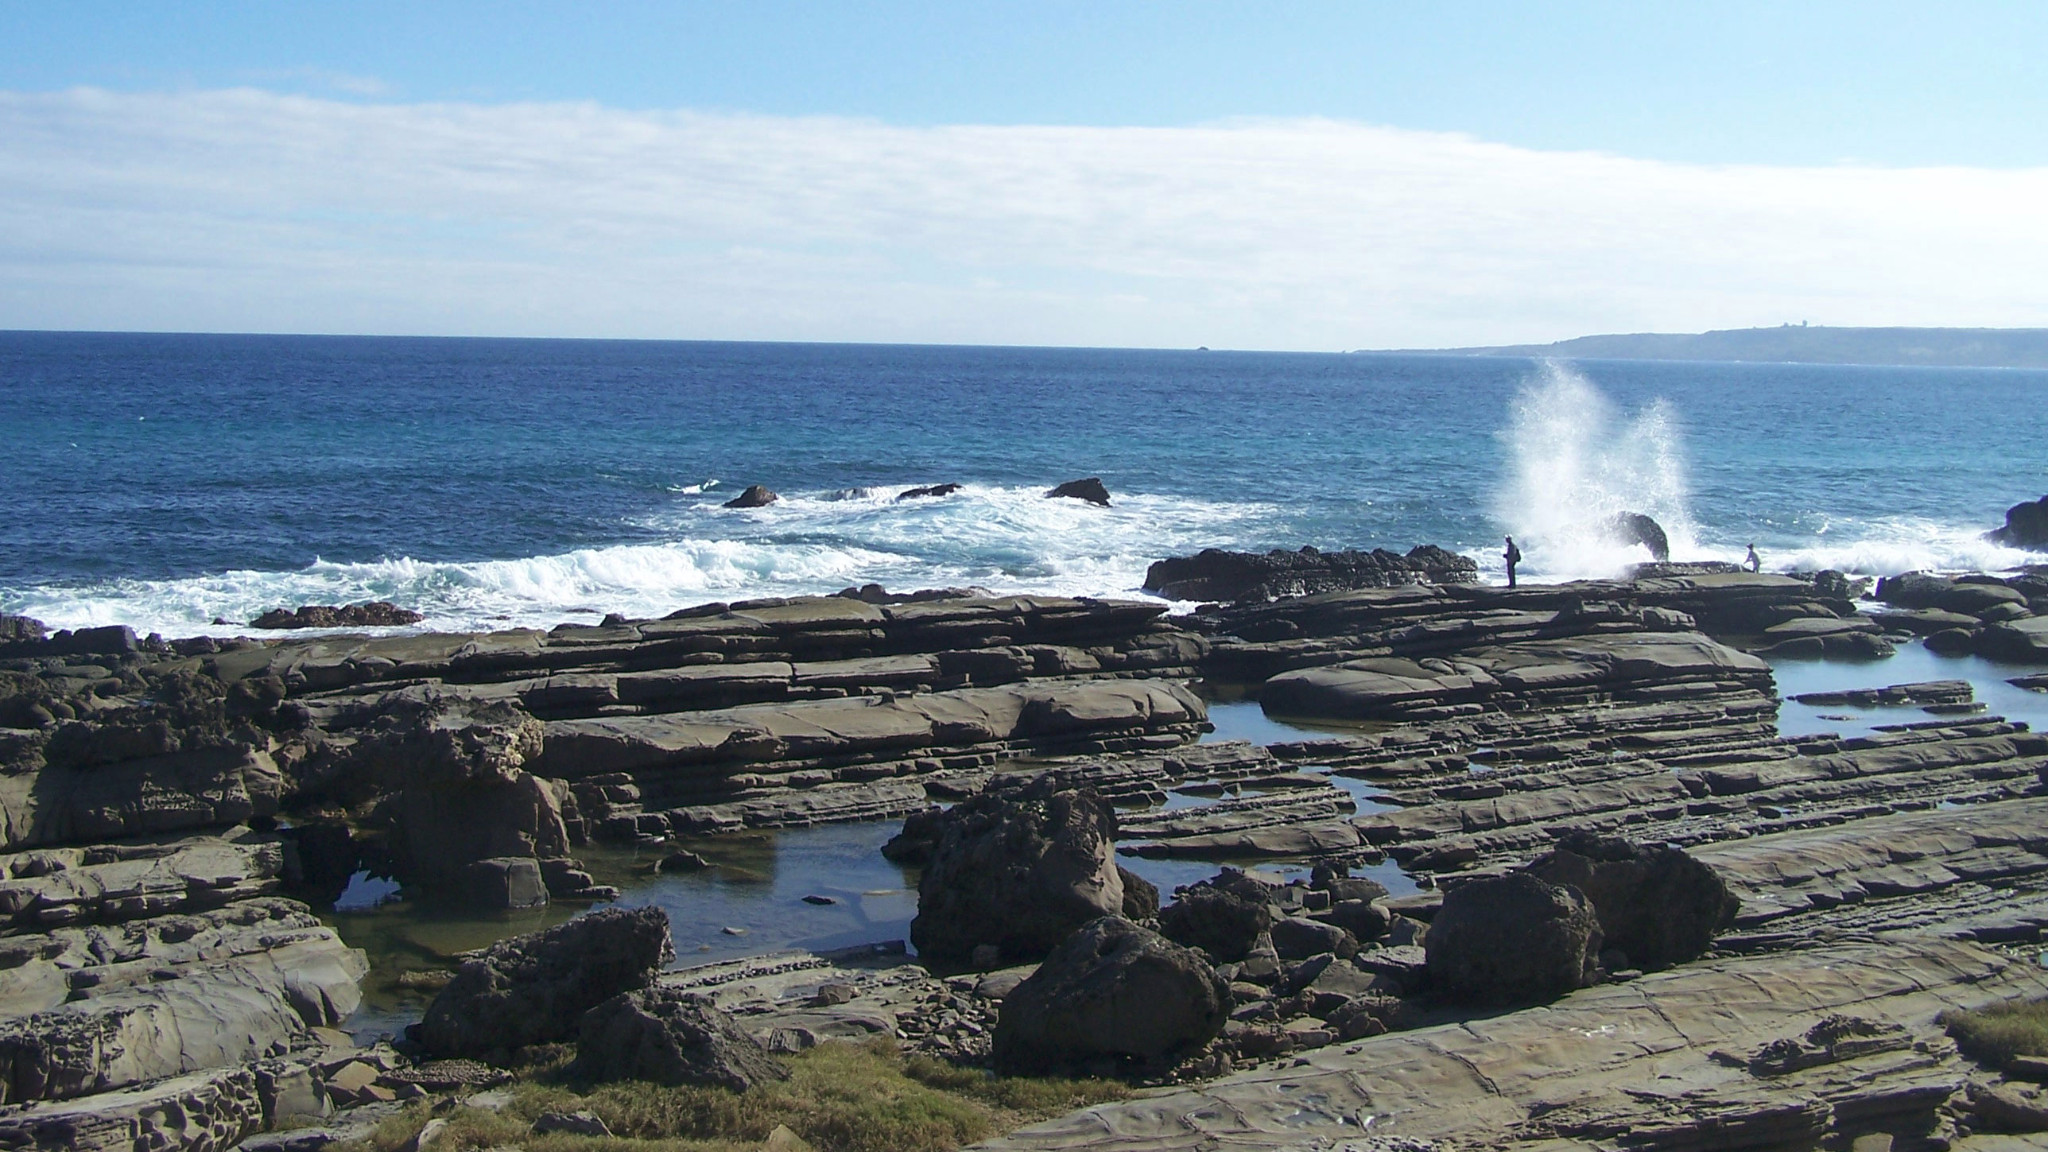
1599,763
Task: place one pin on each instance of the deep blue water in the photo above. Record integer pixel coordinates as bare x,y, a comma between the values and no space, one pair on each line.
166,480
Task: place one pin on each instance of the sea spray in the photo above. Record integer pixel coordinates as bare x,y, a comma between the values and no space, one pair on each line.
1575,463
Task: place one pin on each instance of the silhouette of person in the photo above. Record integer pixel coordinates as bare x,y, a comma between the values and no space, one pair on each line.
1513,556
1752,562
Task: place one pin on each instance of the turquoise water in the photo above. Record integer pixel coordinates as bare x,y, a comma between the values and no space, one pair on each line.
163,481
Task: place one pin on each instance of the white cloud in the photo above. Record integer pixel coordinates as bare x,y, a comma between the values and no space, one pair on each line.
245,210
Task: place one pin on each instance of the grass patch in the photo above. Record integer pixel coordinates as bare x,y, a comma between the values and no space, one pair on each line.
840,1097
1998,1032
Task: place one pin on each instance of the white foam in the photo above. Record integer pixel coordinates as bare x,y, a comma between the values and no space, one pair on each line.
1005,539
1575,462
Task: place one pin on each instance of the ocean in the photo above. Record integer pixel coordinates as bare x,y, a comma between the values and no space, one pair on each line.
167,481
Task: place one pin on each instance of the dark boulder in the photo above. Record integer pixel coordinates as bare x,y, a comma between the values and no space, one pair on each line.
933,490
1018,866
1215,575
668,1036
1090,490
20,630
534,989
1224,916
375,614
756,496
1655,903
2026,526
1141,896
1514,939
1636,528
1111,990
1298,938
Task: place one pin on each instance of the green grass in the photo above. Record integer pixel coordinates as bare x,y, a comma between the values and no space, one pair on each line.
1998,1032
840,1097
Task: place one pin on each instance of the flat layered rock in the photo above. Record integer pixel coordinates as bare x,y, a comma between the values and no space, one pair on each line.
1631,1063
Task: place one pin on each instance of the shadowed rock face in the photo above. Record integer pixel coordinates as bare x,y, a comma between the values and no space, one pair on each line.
1654,902
2026,526
1019,867
1090,489
1112,989
668,1036
534,989
1512,939
1254,577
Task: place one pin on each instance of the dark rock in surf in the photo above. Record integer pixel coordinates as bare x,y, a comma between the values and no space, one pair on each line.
934,490
1090,489
375,614
756,496
2026,526
1636,528
1214,575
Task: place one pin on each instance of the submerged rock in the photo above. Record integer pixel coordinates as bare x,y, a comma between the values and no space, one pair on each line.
1090,489
1654,902
756,496
534,989
668,1036
1017,867
1514,939
1112,989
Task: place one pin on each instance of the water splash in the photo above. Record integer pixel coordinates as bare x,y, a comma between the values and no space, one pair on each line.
1575,462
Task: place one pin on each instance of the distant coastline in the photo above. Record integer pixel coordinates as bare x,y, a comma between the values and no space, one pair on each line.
1799,344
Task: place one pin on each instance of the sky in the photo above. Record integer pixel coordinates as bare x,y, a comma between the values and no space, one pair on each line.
1283,175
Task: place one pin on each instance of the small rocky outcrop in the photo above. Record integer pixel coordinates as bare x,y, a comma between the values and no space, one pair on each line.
1113,990
2026,526
756,496
1636,528
1090,489
1214,575
668,1036
932,490
375,614
1655,903
534,989
1514,939
1224,916
1017,867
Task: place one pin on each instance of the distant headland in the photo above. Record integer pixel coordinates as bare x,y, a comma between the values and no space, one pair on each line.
1801,344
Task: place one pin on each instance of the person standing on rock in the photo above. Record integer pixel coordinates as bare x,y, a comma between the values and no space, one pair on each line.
1513,556
1752,562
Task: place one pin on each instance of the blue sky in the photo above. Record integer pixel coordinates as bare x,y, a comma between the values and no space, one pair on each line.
1531,171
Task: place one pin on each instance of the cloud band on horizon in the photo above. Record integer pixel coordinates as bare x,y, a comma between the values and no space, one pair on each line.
244,210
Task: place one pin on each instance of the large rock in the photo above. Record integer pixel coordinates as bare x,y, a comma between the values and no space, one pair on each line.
668,1036
1090,489
534,989
1636,528
1654,902
375,614
1112,990
2026,526
1514,939
1254,577
1018,866
756,496
1223,916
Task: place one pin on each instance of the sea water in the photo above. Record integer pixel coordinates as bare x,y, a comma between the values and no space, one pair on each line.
169,481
